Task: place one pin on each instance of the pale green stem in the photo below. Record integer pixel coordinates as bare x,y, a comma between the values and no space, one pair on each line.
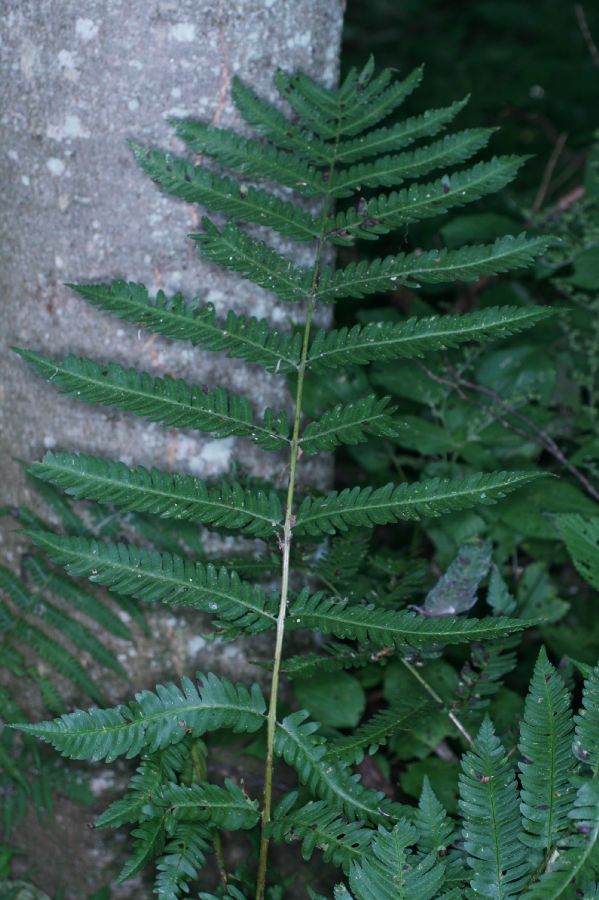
439,700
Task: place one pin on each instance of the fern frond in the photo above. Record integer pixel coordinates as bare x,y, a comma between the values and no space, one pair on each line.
49,650
350,423
82,600
306,752
586,734
195,184
269,122
379,341
396,137
166,400
183,857
374,733
341,657
432,267
154,720
392,170
435,829
149,838
578,852
491,819
390,628
422,201
374,103
548,761
393,503
254,159
222,807
232,249
391,871
164,577
142,787
581,537
319,827
239,337
165,494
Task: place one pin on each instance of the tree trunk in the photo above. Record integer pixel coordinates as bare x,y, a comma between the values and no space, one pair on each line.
78,79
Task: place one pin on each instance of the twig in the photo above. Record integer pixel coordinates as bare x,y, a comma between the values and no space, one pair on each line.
548,173
438,700
586,33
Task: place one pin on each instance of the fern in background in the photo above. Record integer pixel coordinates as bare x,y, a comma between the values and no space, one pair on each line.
336,152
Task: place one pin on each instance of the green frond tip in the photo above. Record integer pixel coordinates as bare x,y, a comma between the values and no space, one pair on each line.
169,401
374,733
182,859
391,628
381,341
154,720
165,577
491,820
435,828
393,872
586,736
548,762
221,807
393,503
196,184
232,249
165,494
319,827
467,264
239,337
350,423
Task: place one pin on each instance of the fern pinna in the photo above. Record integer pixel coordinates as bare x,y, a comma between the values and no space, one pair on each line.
333,155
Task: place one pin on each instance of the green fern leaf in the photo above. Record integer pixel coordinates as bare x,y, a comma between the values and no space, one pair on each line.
232,249
183,858
239,337
548,761
49,650
254,159
269,122
389,628
422,201
391,871
71,593
162,493
435,829
341,657
375,732
491,820
581,537
318,827
149,575
167,400
350,423
222,807
578,852
154,720
379,102
195,184
142,787
586,735
392,170
381,341
306,752
392,503
396,137
432,267
149,839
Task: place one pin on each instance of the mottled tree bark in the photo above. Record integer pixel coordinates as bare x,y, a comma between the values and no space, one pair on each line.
78,79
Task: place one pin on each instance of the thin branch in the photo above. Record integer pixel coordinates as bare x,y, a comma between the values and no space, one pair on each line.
549,170
438,700
586,33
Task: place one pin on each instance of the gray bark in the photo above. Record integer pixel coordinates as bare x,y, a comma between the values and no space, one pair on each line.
78,79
